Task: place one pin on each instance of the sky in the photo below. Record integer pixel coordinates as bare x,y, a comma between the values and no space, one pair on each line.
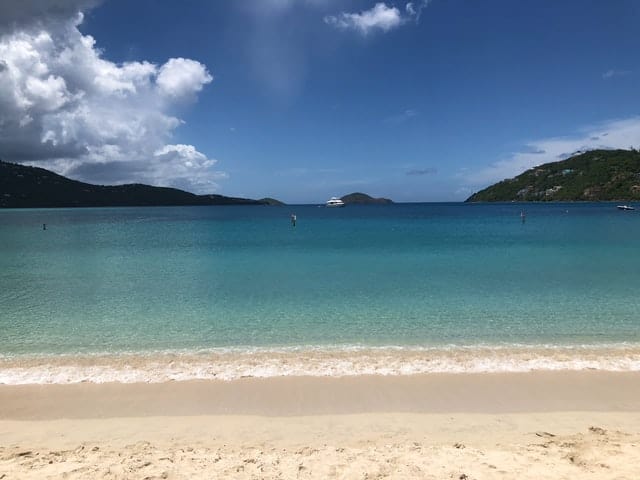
302,100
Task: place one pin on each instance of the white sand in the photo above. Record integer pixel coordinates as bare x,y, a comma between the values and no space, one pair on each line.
576,445
507,427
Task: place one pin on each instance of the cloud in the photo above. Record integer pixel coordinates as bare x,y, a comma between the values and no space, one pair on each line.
402,117
614,73
415,9
608,135
65,107
19,13
181,78
422,171
379,17
186,166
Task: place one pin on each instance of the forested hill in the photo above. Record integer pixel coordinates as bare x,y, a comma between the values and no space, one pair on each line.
364,199
597,175
24,187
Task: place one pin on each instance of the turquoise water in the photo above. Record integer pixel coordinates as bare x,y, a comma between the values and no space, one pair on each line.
422,277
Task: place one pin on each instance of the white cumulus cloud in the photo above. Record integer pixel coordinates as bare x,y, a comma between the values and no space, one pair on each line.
379,17
182,77
65,107
187,166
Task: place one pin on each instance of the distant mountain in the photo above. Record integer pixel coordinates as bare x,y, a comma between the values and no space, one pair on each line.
363,199
25,187
598,175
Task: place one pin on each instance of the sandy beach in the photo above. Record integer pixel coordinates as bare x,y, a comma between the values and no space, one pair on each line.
481,426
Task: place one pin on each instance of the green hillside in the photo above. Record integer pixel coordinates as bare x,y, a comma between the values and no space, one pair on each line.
598,175
27,187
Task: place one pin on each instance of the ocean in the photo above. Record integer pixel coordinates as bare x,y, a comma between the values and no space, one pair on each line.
180,293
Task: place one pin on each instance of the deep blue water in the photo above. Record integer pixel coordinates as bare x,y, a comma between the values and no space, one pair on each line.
138,279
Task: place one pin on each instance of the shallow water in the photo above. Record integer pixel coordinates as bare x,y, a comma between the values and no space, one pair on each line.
450,287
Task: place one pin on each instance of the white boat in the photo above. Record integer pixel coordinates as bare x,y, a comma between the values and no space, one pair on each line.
625,207
334,202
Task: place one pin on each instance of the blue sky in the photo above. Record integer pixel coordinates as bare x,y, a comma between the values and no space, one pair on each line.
303,100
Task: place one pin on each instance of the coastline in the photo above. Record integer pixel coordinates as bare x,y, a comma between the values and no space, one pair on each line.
492,393
471,426
313,361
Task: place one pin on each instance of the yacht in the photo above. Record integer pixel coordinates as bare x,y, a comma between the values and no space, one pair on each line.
334,202
625,207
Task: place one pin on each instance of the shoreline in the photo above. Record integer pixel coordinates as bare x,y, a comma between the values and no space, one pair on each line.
295,396
231,364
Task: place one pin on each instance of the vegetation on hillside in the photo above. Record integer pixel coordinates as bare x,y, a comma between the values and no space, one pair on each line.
25,187
597,175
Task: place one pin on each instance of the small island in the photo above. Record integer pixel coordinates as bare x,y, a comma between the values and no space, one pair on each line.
358,198
597,175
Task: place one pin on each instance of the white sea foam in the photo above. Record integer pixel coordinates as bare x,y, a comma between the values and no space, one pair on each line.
235,363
